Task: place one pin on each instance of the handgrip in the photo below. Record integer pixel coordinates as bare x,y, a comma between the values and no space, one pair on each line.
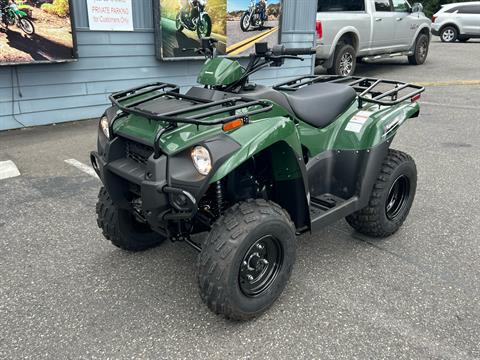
280,50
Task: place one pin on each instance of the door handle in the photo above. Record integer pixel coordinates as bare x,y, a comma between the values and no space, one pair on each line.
378,19
399,19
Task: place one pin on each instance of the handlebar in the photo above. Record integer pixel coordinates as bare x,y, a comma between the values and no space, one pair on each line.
280,50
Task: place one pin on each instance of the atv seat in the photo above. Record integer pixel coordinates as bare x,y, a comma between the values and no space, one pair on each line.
320,104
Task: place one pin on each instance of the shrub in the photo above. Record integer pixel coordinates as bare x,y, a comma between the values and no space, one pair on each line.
58,7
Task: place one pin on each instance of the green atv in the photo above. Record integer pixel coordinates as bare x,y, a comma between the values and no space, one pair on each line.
253,166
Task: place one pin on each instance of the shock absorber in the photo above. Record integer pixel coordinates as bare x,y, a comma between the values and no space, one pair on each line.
219,193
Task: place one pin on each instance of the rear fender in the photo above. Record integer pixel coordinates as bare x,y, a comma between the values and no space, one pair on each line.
371,126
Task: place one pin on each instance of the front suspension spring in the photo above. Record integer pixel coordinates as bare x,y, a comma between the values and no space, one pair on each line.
219,193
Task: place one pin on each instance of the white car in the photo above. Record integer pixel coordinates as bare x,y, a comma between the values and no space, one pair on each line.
458,21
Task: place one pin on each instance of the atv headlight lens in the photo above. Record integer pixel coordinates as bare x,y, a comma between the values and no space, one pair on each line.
202,160
105,126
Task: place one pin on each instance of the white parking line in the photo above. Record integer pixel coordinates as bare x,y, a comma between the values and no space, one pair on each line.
82,167
8,169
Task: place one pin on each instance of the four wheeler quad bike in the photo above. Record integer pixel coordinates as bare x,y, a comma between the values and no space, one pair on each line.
253,166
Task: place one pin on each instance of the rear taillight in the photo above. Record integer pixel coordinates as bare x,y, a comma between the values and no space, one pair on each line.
434,18
319,29
415,98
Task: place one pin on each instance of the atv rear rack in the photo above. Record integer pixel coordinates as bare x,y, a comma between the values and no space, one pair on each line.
371,90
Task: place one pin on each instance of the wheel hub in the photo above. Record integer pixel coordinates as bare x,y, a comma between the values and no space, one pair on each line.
397,197
346,64
260,266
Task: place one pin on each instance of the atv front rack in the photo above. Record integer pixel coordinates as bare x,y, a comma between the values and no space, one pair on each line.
370,90
182,109
199,109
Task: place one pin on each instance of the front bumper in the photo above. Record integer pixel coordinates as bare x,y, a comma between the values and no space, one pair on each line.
168,188
127,179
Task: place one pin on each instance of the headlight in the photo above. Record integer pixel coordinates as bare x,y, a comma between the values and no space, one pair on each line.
105,126
202,160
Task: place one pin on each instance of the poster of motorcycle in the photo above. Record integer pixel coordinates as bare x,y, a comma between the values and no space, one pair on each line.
236,25
36,31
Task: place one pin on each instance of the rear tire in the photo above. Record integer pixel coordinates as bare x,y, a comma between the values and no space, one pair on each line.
178,23
344,60
121,228
449,34
391,198
246,260
421,50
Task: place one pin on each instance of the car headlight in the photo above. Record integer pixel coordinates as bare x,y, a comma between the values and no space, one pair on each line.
202,160
104,125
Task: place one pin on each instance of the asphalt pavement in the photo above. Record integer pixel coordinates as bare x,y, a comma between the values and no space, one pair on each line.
65,292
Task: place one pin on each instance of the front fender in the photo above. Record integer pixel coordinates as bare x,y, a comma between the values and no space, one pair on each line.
258,136
423,27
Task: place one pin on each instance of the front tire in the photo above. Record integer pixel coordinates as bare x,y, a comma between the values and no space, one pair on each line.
204,27
245,21
449,34
27,26
344,60
121,228
421,50
391,198
247,259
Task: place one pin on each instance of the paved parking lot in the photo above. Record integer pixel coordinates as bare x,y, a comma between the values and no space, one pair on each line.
66,293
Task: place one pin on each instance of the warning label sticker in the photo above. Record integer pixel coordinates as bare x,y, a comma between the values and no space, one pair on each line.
357,122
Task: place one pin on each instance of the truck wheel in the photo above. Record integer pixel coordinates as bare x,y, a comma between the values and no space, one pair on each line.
391,198
344,60
421,50
449,34
247,259
121,228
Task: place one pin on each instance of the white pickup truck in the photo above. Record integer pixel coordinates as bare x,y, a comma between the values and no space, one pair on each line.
369,29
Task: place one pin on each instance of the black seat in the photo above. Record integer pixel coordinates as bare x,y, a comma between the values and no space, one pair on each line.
320,104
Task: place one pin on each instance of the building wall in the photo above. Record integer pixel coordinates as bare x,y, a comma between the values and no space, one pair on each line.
111,61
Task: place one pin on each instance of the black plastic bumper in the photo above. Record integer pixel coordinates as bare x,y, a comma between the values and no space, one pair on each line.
126,179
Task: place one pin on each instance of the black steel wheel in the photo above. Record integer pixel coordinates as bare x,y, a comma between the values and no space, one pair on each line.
391,199
246,259
260,265
397,197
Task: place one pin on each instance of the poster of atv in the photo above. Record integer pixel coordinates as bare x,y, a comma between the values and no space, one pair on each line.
236,24
36,31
